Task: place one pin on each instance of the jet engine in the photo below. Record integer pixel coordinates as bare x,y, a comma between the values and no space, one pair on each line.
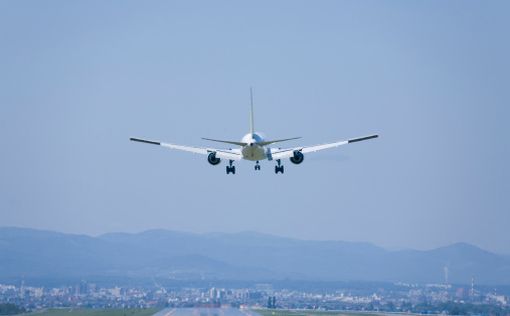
297,158
212,159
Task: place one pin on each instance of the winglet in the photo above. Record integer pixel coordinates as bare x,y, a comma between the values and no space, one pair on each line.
353,140
133,139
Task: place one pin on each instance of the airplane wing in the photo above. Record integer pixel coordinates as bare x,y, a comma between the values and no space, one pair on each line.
287,153
220,153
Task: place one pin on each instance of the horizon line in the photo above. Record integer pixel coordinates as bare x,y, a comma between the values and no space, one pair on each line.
389,249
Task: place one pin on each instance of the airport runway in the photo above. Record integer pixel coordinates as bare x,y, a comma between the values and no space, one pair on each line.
228,311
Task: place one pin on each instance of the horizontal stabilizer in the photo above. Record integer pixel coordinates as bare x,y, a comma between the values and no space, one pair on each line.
226,142
269,142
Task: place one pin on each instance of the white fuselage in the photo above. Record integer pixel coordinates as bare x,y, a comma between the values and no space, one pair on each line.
253,151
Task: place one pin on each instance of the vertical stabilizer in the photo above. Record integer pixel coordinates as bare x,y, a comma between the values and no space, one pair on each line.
252,126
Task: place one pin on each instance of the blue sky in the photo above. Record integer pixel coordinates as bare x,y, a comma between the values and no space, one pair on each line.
431,77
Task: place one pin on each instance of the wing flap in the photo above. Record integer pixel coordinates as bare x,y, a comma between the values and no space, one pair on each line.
196,150
283,153
229,155
312,149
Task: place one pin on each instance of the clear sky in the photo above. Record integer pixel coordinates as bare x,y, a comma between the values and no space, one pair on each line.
78,78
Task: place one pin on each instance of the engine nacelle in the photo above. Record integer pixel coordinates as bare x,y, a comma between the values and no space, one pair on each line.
212,159
297,158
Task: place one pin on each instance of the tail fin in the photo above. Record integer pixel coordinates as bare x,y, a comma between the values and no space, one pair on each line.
252,125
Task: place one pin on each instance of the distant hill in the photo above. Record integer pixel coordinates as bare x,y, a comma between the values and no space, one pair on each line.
242,256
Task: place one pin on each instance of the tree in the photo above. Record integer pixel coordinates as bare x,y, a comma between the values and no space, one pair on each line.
10,309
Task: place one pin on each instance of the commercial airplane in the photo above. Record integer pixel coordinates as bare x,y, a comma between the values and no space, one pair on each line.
254,147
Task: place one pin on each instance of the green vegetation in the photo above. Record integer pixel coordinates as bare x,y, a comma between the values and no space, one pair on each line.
284,312
449,308
10,309
98,312
452,308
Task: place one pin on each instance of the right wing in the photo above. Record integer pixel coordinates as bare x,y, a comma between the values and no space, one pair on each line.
287,153
220,153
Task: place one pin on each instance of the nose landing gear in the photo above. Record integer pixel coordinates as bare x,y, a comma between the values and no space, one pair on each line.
257,166
278,167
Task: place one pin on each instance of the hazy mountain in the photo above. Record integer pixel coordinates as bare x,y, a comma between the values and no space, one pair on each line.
241,256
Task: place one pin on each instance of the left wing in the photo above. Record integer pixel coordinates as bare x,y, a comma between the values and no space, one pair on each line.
220,153
287,153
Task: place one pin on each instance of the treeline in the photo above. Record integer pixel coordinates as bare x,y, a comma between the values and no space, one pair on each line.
10,309
453,308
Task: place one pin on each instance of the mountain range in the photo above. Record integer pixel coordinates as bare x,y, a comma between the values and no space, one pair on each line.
251,256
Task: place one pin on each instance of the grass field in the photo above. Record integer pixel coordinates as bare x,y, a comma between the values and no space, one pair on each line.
282,312
97,312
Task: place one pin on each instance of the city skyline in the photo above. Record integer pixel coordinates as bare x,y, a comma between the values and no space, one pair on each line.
361,297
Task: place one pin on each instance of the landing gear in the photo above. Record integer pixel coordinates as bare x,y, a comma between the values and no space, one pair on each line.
257,166
231,167
279,167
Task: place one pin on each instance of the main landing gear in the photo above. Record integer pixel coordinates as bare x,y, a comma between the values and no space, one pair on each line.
231,167
257,166
279,167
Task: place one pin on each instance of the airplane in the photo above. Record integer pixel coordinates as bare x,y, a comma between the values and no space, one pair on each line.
254,147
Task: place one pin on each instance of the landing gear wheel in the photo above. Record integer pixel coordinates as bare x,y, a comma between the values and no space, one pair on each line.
257,166
231,169
278,169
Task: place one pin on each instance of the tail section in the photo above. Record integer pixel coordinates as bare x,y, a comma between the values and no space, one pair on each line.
252,125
